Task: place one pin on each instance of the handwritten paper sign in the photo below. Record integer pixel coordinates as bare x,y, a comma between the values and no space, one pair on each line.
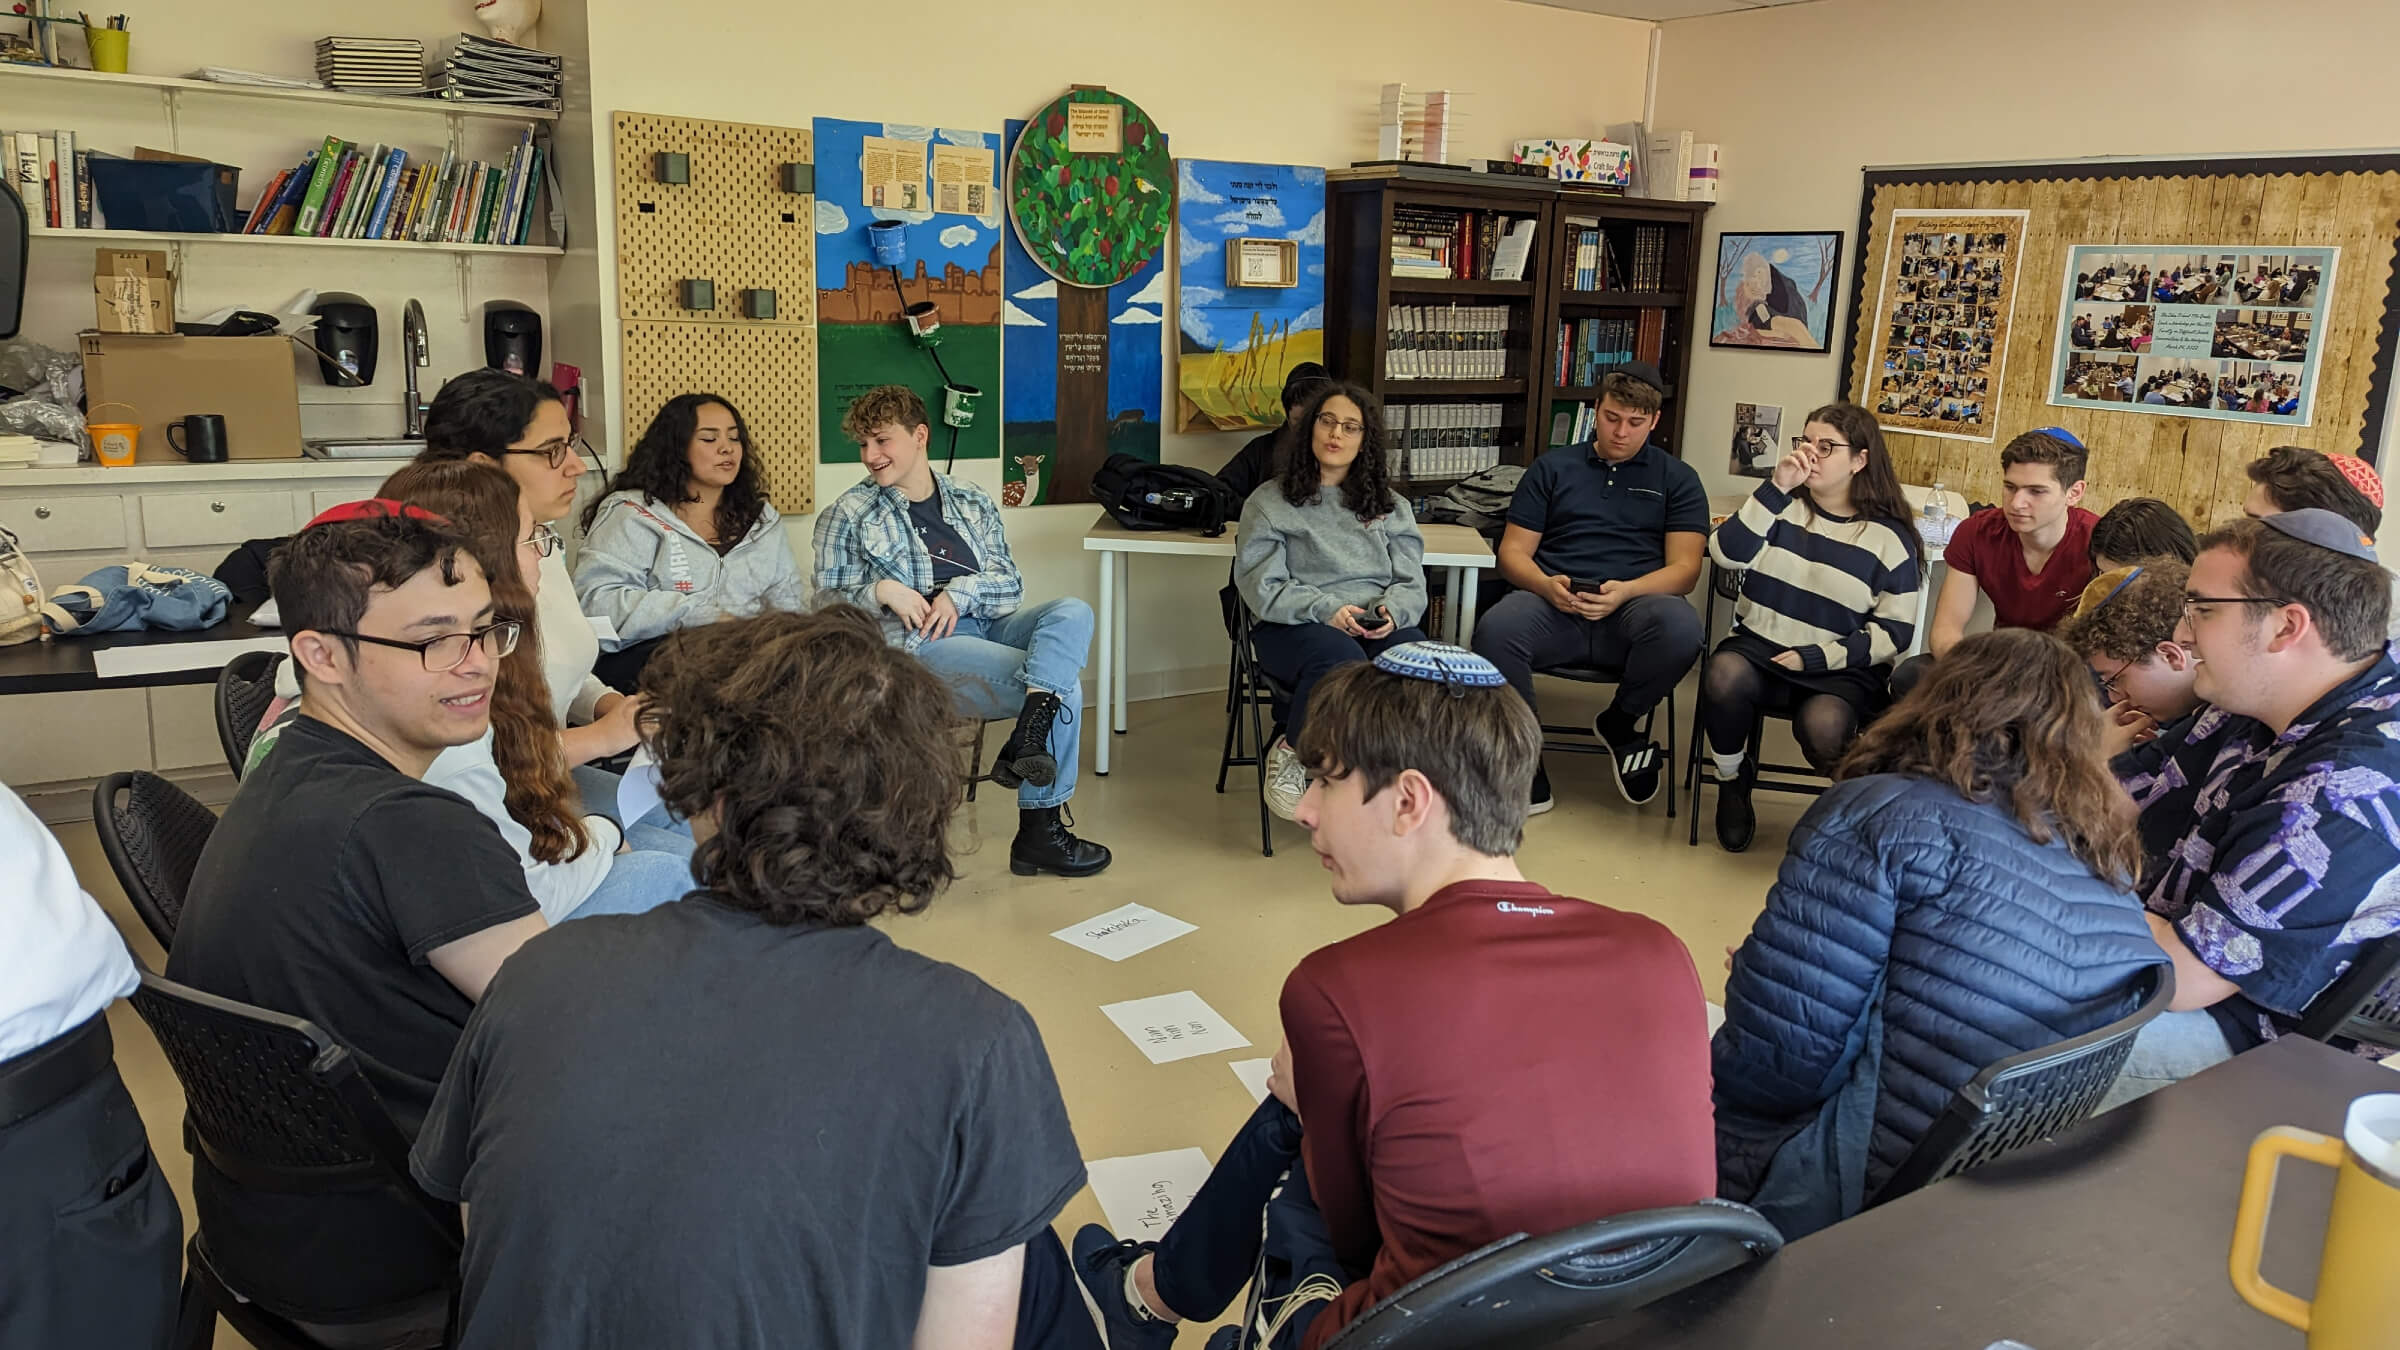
1174,1026
1095,129
1253,1073
1143,1194
637,791
1128,930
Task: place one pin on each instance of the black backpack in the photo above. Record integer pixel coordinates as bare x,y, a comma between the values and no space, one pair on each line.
1145,496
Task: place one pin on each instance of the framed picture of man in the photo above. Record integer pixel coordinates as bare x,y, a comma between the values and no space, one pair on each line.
1776,291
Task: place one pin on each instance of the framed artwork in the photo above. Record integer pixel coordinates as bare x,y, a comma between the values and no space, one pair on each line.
1945,302
2226,332
1757,439
1776,291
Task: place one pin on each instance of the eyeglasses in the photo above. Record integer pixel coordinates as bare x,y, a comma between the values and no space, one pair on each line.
544,541
557,451
449,651
2108,684
1803,443
1329,422
2192,602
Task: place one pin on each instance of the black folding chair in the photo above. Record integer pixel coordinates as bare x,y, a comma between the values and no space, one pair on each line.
2026,1097
1530,1291
244,689
2364,1004
151,832
1248,691
274,1104
1725,583
1583,740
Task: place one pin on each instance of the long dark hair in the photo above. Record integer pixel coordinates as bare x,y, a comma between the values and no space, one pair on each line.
660,468
481,501
481,413
1875,489
1367,491
2007,718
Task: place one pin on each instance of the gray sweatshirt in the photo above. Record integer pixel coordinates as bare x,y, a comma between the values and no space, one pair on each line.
1298,564
648,573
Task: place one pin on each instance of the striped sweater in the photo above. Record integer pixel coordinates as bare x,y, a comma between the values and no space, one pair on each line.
1840,591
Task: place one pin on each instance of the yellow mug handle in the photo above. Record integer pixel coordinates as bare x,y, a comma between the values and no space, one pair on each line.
2267,1153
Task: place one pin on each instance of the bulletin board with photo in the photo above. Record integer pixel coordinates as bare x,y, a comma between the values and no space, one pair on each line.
1947,300
2222,331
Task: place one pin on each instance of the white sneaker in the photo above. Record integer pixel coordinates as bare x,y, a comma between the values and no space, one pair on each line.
1287,780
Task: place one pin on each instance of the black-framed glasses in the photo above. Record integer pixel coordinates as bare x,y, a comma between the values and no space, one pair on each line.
449,651
544,541
2108,683
557,451
2190,601
1821,447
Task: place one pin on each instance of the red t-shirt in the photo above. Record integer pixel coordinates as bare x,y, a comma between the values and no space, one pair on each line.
1984,547
1498,1060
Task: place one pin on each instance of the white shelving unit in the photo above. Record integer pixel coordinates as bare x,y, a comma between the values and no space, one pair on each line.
172,88
292,240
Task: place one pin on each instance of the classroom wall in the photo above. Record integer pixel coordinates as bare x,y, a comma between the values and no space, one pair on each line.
1297,84
1802,98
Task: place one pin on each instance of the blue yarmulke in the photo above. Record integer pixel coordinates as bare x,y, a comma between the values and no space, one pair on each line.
1441,663
2060,434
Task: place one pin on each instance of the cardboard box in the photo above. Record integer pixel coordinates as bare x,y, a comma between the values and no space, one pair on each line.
249,380
133,291
1706,163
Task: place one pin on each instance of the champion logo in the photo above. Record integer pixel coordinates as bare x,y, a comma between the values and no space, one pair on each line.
1507,907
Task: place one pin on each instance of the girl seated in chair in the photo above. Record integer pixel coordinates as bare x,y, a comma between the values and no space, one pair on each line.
1328,560
1833,563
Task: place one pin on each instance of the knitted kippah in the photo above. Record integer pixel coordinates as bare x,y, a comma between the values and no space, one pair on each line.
2361,475
1440,663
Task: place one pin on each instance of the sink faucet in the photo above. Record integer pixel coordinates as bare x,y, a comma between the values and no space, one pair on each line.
414,355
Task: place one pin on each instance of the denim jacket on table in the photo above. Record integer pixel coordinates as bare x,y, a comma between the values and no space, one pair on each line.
866,536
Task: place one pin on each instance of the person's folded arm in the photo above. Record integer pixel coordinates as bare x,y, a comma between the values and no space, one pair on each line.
1681,573
845,573
1262,573
1736,542
996,589
616,578
1889,627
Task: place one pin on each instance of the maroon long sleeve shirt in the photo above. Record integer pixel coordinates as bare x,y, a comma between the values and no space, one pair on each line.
1498,1060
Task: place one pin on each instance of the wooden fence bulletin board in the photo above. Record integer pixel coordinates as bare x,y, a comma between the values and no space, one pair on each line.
2348,201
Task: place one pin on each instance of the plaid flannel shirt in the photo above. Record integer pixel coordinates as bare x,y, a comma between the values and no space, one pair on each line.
865,537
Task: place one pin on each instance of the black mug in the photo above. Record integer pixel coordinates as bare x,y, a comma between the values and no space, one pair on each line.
203,438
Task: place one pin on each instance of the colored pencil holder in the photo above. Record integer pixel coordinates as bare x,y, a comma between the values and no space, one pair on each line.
889,239
108,47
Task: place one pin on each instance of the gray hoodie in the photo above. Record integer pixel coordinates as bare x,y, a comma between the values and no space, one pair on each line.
648,573
1299,564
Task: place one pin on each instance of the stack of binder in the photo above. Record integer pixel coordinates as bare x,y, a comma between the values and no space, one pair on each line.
372,65
486,70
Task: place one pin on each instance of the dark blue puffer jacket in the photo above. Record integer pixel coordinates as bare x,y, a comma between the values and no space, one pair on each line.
1988,944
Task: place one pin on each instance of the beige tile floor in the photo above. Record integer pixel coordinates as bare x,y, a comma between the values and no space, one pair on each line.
1185,850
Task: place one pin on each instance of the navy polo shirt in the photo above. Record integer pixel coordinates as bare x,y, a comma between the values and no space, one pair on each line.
1607,522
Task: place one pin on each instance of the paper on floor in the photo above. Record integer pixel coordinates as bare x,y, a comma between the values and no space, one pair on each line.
1253,1073
1174,1026
1128,930
117,663
1144,1193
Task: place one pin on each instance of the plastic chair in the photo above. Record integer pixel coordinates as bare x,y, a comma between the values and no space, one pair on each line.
2364,1004
1529,1291
244,689
274,1104
151,832
1248,689
2025,1098
1725,583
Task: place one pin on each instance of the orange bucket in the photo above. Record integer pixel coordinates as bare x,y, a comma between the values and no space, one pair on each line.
113,443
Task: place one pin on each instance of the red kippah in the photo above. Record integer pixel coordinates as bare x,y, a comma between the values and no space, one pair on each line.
384,508
2361,475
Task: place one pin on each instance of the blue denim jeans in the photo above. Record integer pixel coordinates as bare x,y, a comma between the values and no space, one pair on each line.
639,881
991,663
2173,1047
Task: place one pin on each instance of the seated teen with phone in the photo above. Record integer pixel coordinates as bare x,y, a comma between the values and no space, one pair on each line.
1329,561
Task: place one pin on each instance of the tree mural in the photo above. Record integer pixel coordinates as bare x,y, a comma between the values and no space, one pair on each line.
1091,190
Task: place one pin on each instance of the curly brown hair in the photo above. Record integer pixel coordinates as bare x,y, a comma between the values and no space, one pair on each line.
884,405
2007,718
829,759
1367,490
2126,613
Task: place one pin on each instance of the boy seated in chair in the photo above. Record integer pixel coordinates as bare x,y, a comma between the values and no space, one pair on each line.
1496,1059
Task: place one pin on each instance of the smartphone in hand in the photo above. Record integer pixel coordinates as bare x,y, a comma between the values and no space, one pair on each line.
1582,587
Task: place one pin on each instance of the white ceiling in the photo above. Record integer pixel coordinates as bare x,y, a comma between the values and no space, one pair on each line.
1664,9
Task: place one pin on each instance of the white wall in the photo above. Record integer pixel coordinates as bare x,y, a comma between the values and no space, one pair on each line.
1290,84
1803,98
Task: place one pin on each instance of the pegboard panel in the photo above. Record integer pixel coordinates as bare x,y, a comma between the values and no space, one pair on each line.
731,224
768,370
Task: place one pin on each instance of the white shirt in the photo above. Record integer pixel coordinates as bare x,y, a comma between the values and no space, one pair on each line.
61,960
569,645
558,887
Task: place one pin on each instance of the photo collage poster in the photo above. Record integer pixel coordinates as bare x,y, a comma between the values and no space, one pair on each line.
1948,293
2226,332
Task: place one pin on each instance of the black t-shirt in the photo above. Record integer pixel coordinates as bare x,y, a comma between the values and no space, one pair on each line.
692,1127
1607,522
1251,465
320,893
952,556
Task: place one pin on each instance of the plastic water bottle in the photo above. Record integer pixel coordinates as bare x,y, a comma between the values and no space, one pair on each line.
1937,506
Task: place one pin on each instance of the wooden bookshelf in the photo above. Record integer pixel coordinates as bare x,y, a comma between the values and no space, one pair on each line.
1363,208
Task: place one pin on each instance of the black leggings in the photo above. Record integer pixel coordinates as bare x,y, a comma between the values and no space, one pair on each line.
1737,693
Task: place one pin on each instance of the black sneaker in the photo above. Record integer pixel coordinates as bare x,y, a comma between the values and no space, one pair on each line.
1541,791
1101,1261
1737,822
1637,765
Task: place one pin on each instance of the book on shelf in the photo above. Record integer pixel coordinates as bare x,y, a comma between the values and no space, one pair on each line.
1431,441
1465,245
1446,342
344,190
